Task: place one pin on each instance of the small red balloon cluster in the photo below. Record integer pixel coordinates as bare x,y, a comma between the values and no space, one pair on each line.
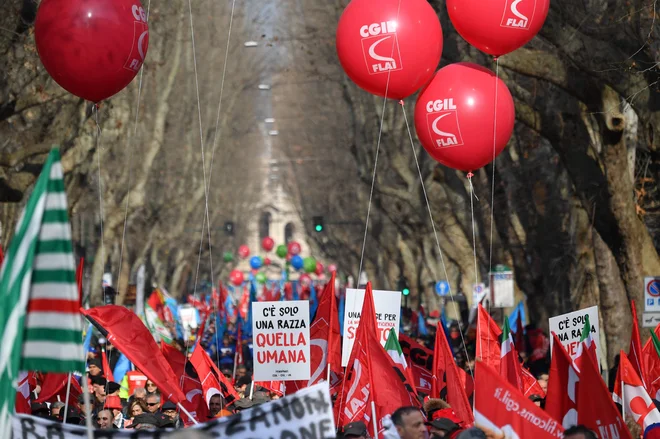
92,48
392,48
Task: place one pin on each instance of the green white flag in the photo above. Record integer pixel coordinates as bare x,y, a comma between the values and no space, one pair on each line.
40,323
393,349
506,341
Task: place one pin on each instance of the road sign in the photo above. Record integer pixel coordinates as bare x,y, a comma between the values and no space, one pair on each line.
442,288
477,292
652,294
650,319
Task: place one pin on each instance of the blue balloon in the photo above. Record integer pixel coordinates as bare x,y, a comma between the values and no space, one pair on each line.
297,262
256,262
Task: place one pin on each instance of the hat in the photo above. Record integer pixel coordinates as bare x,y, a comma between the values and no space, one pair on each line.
358,428
37,407
243,403
472,433
113,402
113,387
99,380
444,424
145,418
94,361
260,398
169,405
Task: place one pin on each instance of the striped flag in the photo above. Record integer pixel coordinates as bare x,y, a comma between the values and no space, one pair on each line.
40,325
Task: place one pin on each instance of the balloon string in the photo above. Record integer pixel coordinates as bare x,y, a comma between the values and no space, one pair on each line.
129,162
474,233
435,232
97,135
492,183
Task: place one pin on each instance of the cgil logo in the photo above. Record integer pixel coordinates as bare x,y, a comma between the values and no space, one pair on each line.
380,47
518,14
140,39
442,120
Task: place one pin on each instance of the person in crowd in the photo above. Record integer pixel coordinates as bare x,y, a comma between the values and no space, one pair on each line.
409,423
537,400
355,430
579,432
151,387
104,420
135,408
241,371
40,410
73,416
113,403
98,386
140,393
85,410
112,388
170,410
55,408
153,403
227,351
242,385
94,367
472,433
215,405
542,379
145,421
444,427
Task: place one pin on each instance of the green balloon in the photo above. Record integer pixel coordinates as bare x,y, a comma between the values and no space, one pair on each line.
309,264
261,278
281,251
228,257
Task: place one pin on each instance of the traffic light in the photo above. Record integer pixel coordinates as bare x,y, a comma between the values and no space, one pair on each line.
318,223
229,228
402,285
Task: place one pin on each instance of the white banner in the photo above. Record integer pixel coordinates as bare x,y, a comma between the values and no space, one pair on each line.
280,339
568,328
388,309
304,414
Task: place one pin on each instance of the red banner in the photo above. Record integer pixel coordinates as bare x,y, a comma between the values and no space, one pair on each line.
421,360
500,409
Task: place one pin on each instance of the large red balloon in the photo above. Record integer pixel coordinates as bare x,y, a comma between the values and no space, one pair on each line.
455,113
236,277
381,40
498,27
243,251
267,243
92,48
294,248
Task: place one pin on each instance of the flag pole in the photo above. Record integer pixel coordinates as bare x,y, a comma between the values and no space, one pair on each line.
251,389
88,413
328,377
187,413
373,415
623,401
66,402
233,375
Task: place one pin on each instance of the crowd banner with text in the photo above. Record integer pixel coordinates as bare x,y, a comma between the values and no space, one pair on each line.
281,341
388,310
304,414
568,328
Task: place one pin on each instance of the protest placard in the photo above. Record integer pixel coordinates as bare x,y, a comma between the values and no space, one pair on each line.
280,333
568,328
388,308
304,414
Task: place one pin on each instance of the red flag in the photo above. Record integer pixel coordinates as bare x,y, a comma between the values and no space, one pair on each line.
596,408
634,397
325,341
447,377
502,411
651,360
23,392
420,358
244,304
277,387
54,385
635,350
531,385
107,371
191,387
126,331
561,401
213,382
488,334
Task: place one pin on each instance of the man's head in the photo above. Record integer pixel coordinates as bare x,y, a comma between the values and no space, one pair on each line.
409,423
104,419
215,404
94,366
579,432
442,427
241,371
98,384
55,408
140,393
153,402
355,430
169,410
40,409
542,379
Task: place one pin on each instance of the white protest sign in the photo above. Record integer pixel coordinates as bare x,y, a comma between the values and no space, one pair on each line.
304,414
188,318
501,289
280,337
652,294
388,308
568,328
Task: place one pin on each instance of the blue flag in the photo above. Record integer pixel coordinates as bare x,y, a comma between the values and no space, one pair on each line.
340,311
123,365
313,301
421,324
519,310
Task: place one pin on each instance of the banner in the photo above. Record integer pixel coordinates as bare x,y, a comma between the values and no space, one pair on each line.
421,360
502,411
281,340
388,308
304,414
568,328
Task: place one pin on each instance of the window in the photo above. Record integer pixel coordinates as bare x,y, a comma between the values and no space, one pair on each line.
289,230
264,225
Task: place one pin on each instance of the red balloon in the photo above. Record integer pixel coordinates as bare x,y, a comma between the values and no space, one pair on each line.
305,279
375,45
236,277
319,268
455,113
498,27
294,248
267,261
243,251
332,268
267,243
92,48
